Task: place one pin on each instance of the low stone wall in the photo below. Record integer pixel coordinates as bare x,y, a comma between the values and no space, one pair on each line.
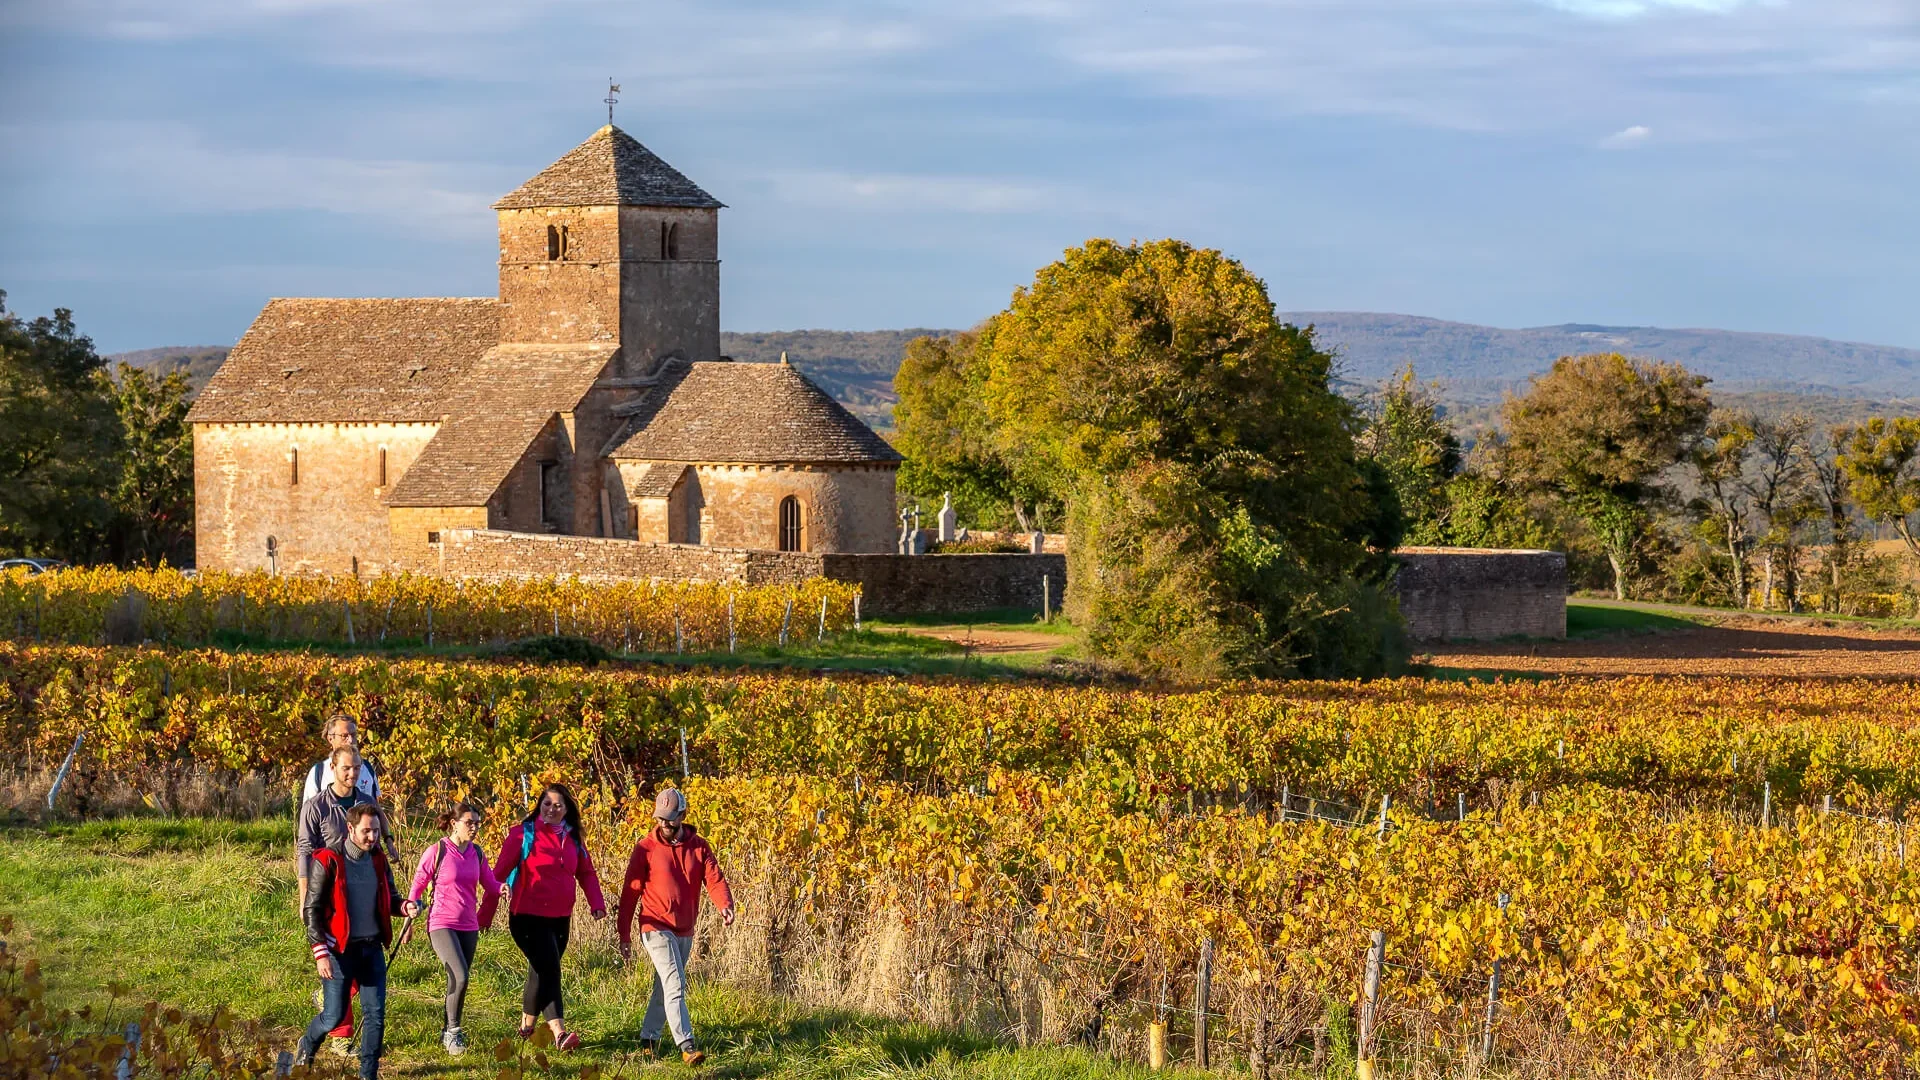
493,553
1477,594
890,584
925,584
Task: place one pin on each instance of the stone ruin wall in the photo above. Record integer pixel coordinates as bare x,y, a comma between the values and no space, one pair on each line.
890,584
1479,594
1445,593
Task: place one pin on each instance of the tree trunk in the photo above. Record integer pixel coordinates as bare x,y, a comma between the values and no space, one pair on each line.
1619,575
1739,567
1766,587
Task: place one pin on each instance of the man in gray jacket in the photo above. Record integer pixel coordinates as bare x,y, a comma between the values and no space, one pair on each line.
323,825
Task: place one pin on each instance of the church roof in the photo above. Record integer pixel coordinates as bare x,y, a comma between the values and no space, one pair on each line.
308,361
510,395
610,169
721,412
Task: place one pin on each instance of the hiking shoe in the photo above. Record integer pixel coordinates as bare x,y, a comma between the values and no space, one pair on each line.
693,1057
340,1047
568,1042
454,1040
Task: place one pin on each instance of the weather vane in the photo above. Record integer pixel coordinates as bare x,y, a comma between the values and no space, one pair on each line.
613,88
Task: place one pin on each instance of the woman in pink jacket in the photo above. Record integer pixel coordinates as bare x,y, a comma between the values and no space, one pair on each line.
540,862
456,870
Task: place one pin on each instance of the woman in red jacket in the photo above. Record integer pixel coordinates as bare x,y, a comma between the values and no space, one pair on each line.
664,876
540,862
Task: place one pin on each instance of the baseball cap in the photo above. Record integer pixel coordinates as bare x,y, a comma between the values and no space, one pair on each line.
670,805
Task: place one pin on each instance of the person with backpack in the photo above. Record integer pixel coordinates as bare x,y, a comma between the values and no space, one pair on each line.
348,914
541,861
322,824
451,875
663,880
340,731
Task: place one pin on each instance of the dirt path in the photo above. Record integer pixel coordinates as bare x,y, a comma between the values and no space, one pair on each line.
993,642
1732,646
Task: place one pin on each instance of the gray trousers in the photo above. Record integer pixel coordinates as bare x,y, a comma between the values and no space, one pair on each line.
455,950
668,1005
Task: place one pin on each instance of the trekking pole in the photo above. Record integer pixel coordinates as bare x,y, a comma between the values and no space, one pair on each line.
399,939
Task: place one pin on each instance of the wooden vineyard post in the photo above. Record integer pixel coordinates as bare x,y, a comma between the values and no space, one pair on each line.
1461,798
733,639
1385,801
1046,598
822,635
856,613
348,609
1157,1031
1262,1036
786,621
1370,1004
429,626
1766,805
1202,992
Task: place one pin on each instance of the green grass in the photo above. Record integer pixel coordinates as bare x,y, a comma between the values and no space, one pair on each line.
889,646
1593,620
199,914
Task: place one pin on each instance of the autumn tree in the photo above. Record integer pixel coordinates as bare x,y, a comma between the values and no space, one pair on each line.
1218,517
1785,503
1833,494
1879,459
1718,460
153,496
59,438
941,426
1598,432
1416,451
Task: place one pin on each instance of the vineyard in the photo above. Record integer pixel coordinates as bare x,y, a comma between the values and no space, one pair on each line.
100,604
1667,874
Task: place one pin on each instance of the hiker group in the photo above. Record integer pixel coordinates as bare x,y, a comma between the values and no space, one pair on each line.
348,895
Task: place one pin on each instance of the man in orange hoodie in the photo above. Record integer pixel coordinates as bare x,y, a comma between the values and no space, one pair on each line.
663,879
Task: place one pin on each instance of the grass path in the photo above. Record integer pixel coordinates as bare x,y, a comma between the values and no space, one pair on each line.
197,914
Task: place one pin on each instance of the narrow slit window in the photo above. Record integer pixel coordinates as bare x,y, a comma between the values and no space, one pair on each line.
792,532
663,240
566,244
293,467
553,243
380,479
673,241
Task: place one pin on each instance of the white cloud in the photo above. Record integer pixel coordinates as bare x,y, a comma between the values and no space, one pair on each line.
1627,9
1627,139
907,193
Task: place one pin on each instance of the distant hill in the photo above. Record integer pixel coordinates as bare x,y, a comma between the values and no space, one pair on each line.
1474,365
198,361
1480,363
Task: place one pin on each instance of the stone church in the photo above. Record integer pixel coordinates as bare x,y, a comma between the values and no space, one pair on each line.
590,399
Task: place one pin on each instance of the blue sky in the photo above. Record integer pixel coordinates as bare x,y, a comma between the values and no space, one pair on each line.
1744,164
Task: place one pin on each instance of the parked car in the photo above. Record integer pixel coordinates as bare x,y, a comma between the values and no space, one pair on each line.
31,566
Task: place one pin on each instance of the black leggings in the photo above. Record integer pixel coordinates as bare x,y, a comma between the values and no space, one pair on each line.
544,941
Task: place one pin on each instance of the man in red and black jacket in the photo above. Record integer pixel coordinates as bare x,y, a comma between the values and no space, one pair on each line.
349,910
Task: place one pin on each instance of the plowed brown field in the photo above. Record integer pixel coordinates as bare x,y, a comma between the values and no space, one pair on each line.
1732,646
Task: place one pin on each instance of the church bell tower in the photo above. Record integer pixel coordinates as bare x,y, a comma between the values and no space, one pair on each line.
612,244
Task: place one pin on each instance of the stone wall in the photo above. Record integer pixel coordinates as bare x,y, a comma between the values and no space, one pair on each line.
890,584
1477,594
926,584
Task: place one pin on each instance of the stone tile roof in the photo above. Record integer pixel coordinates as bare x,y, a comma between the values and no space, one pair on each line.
306,361
659,481
610,169
510,395
720,412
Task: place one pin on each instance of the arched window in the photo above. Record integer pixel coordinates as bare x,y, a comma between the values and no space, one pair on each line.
673,241
566,244
553,243
792,531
